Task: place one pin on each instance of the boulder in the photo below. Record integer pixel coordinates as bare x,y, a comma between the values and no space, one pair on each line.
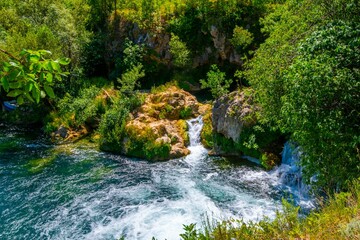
232,112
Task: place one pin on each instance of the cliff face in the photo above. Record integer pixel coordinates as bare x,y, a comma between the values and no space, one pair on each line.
237,131
219,49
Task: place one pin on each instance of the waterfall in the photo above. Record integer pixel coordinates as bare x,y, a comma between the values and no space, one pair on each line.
289,175
195,127
197,150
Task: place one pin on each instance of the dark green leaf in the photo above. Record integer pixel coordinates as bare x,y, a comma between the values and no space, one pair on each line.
49,91
20,100
5,84
15,93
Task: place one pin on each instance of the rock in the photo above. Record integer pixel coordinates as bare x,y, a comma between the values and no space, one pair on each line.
158,129
231,112
62,132
235,126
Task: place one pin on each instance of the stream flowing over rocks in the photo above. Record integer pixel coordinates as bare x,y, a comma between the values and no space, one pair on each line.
76,192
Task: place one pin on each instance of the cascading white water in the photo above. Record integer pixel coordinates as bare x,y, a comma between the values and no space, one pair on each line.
197,150
195,127
289,175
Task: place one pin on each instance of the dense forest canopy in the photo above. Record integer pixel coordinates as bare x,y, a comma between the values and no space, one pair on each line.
301,58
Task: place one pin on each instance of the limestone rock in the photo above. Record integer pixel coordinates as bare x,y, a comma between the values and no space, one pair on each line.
231,112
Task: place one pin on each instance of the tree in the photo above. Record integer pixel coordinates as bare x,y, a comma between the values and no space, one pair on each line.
216,81
321,104
242,38
179,51
31,76
286,26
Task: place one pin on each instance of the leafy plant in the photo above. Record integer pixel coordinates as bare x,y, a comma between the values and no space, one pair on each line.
31,76
216,81
320,105
242,38
179,51
129,79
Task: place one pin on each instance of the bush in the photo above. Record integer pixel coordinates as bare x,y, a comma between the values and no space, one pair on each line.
113,122
216,81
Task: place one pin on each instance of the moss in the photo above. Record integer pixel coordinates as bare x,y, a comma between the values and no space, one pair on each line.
142,143
185,113
269,160
207,131
183,127
38,165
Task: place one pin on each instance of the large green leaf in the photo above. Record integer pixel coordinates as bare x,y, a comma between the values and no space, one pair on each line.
55,66
36,94
64,61
49,77
5,84
15,93
49,91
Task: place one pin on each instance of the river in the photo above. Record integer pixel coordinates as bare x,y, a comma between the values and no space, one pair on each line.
76,192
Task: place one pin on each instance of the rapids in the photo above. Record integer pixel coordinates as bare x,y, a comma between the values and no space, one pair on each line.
77,192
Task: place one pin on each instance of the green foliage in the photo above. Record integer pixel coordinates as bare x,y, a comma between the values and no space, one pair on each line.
112,127
85,107
112,124
321,103
133,55
190,232
269,160
129,79
254,141
59,26
216,81
143,144
242,38
179,51
185,113
207,131
286,26
31,76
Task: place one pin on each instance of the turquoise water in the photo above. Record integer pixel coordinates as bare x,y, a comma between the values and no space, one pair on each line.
77,192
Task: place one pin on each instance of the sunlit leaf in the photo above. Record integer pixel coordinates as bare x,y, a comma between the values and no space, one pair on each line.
55,66
49,77
64,61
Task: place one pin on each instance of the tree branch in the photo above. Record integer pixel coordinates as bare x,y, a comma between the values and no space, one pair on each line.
9,54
